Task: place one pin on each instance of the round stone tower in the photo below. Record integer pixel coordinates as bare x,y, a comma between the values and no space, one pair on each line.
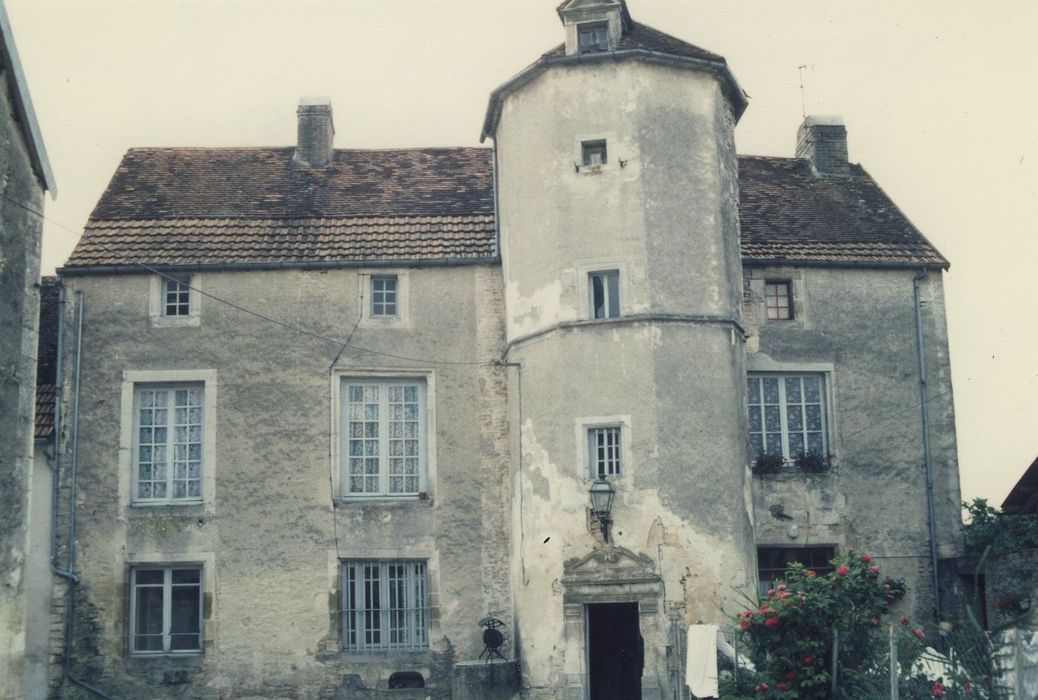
618,215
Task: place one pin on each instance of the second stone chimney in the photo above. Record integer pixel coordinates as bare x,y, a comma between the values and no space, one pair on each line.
823,141
316,135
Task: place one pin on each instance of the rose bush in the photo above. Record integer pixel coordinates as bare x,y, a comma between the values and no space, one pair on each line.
790,633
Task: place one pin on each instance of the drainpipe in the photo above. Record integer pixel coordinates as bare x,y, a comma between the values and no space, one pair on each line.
74,462
59,394
925,407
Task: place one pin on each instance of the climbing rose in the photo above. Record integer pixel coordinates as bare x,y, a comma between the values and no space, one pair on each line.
783,686
875,622
809,660
874,569
811,574
744,625
903,619
842,571
791,676
772,621
937,690
762,688
918,633
781,587
866,558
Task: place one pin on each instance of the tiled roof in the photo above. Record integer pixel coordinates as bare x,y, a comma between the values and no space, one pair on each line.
253,206
642,36
47,356
788,214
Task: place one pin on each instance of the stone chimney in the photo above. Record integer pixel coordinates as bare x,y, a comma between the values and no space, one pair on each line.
316,132
823,141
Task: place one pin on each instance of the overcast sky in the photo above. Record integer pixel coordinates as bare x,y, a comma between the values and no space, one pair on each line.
938,98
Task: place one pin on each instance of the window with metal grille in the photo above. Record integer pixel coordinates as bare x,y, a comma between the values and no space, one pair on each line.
772,562
593,152
385,439
176,297
787,415
604,452
166,610
167,454
384,606
778,298
593,36
604,293
383,296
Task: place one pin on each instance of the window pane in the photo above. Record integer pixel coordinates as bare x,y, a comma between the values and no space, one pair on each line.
384,605
613,286
788,411
597,297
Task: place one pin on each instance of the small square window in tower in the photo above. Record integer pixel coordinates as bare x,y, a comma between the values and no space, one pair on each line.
593,152
383,296
604,293
593,37
778,298
176,296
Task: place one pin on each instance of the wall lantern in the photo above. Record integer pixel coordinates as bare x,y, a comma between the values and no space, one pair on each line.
602,493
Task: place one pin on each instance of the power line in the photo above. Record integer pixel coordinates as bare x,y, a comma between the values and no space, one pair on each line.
338,342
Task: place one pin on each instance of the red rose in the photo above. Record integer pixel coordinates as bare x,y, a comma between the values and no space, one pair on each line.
874,569
783,686
866,558
762,688
809,660
772,621
903,619
764,608
782,587
919,633
843,571
791,676
744,625
771,592
875,622
811,574
937,690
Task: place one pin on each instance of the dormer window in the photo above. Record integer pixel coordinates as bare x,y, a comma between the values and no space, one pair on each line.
593,37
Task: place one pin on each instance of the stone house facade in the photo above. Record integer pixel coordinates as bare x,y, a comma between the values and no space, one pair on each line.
26,176
341,410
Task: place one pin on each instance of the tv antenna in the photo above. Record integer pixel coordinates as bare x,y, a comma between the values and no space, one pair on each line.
803,103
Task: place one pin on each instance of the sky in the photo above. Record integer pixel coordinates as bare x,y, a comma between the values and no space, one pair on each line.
939,100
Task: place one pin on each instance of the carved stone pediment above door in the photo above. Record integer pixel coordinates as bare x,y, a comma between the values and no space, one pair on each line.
611,574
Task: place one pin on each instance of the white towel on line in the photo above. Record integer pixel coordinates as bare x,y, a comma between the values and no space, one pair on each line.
701,661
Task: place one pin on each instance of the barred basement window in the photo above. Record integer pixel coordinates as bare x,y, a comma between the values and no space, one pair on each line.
772,563
166,610
384,606
176,297
384,296
593,152
604,452
786,415
385,441
167,451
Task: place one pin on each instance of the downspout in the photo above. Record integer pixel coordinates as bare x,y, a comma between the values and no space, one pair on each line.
55,462
497,207
74,462
925,408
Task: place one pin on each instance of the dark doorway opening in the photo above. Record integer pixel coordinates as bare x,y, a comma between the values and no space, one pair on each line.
615,651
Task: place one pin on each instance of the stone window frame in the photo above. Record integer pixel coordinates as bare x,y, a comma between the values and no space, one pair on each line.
788,309
168,446
402,317
131,380
375,666
582,430
584,269
594,25
758,278
608,140
339,378
832,548
760,363
157,301
206,561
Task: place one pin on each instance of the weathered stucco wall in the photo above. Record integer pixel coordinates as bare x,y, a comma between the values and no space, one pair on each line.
669,370
862,324
270,540
20,237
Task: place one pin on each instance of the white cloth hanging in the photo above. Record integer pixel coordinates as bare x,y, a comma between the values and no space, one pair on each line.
701,661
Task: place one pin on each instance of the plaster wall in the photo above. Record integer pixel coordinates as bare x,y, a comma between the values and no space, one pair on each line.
661,208
20,237
860,325
663,211
269,539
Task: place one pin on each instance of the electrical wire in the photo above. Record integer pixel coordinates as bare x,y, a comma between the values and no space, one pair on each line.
338,342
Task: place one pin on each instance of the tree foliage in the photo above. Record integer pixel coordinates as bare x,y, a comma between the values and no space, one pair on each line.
988,527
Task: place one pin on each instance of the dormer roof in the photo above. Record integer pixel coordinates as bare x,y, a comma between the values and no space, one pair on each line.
580,6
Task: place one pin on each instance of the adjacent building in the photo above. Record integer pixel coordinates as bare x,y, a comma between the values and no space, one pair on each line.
26,177
342,411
